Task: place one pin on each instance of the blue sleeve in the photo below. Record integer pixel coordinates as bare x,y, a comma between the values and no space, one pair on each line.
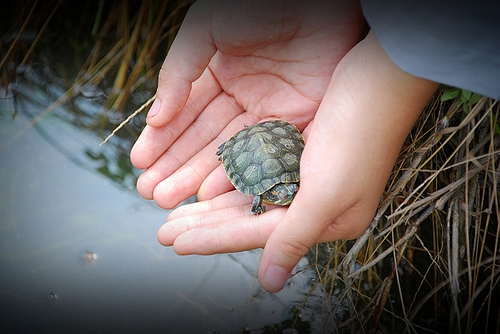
452,42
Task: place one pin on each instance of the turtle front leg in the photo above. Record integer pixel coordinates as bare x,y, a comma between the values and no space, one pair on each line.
257,207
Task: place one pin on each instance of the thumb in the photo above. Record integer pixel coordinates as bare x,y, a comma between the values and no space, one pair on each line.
186,60
292,238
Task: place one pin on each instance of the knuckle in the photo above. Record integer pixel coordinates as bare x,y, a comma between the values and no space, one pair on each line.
295,249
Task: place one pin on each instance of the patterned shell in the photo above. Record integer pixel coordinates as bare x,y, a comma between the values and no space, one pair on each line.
262,155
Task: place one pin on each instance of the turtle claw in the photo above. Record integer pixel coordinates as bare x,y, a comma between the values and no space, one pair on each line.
220,150
257,207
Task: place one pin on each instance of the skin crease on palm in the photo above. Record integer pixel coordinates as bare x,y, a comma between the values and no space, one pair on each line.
353,104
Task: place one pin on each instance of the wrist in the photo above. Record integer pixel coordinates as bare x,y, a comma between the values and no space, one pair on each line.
371,96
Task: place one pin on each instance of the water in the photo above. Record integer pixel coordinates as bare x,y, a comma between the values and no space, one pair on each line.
78,248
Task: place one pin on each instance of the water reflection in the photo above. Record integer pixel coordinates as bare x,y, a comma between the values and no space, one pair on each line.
78,248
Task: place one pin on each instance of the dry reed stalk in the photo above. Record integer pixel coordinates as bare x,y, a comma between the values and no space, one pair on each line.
161,29
134,50
13,45
441,208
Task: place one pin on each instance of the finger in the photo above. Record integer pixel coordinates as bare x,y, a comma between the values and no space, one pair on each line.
187,179
189,148
292,238
230,229
154,141
227,200
234,235
203,214
215,184
186,60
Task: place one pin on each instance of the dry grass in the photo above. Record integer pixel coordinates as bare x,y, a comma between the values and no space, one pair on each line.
430,260
126,40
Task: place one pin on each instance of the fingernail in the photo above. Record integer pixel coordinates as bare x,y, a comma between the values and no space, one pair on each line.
275,278
155,108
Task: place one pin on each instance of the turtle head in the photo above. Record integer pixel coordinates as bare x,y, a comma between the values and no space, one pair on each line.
281,194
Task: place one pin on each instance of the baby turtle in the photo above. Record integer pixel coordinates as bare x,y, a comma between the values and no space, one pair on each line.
263,161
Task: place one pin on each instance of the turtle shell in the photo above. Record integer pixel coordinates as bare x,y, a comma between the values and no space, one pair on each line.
262,155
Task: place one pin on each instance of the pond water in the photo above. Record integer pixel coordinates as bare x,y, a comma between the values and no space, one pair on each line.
78,248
